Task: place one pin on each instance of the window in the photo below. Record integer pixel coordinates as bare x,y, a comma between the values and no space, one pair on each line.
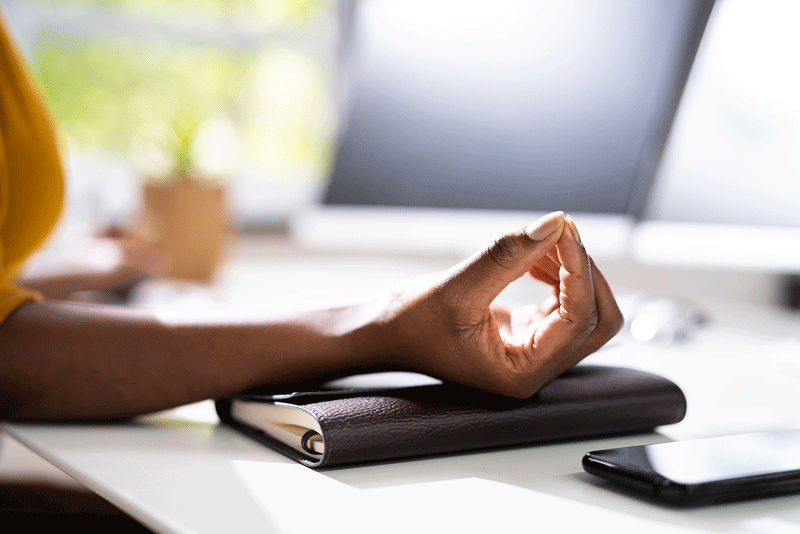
239,90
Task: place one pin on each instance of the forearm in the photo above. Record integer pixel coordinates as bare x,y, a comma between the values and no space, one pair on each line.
62,361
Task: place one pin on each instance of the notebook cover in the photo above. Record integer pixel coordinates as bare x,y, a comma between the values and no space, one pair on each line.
368,425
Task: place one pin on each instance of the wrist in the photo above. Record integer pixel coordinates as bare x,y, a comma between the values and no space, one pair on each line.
364,337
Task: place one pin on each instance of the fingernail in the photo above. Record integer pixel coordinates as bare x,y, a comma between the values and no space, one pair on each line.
573,229
545,226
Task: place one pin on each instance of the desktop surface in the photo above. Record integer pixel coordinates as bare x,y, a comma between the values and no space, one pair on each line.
180,471
178,475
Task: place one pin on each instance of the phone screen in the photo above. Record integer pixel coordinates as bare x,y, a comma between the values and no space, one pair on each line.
705,470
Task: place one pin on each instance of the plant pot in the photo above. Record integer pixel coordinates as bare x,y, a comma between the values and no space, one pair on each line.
189,221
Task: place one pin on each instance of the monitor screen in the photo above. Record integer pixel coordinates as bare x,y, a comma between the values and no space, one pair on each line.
510,105
727,190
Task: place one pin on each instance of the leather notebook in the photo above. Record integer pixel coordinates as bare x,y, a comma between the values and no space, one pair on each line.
387,416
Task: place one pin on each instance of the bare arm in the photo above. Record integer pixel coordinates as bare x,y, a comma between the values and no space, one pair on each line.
68,361
73,361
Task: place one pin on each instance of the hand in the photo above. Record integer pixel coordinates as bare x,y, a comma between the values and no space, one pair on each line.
139,259
104,270
446,325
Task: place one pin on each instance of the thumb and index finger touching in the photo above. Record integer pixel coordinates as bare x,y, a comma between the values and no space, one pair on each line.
487,273
585,315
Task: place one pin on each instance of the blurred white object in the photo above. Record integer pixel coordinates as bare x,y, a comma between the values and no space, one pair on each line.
665,320
439,231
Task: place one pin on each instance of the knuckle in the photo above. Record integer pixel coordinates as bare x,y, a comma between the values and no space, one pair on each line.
614,325
574,277
506,250
619,322
585,323
592,320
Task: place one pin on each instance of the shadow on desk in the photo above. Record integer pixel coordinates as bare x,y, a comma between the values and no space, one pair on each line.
36,506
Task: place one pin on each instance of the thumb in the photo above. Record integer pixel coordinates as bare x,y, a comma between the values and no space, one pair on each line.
487,273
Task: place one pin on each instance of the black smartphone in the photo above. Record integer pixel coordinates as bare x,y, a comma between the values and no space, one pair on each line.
705,471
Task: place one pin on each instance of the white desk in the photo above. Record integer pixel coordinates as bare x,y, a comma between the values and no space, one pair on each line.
180,472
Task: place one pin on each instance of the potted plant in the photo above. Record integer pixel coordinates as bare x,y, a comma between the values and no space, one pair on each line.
183,209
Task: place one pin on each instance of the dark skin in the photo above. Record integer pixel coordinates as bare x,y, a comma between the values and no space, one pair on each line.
67,361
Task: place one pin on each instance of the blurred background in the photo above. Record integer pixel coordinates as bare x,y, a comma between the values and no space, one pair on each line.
233,90
252,94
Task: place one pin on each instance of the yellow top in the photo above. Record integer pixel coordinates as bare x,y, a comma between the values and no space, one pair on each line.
31,180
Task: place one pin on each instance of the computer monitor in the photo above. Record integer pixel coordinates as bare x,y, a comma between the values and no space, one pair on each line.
727,193
464,120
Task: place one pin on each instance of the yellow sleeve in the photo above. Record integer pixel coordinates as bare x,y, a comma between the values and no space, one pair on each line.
11,297
31,179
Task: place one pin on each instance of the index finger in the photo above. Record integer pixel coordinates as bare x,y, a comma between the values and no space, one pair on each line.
609,320
569,325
